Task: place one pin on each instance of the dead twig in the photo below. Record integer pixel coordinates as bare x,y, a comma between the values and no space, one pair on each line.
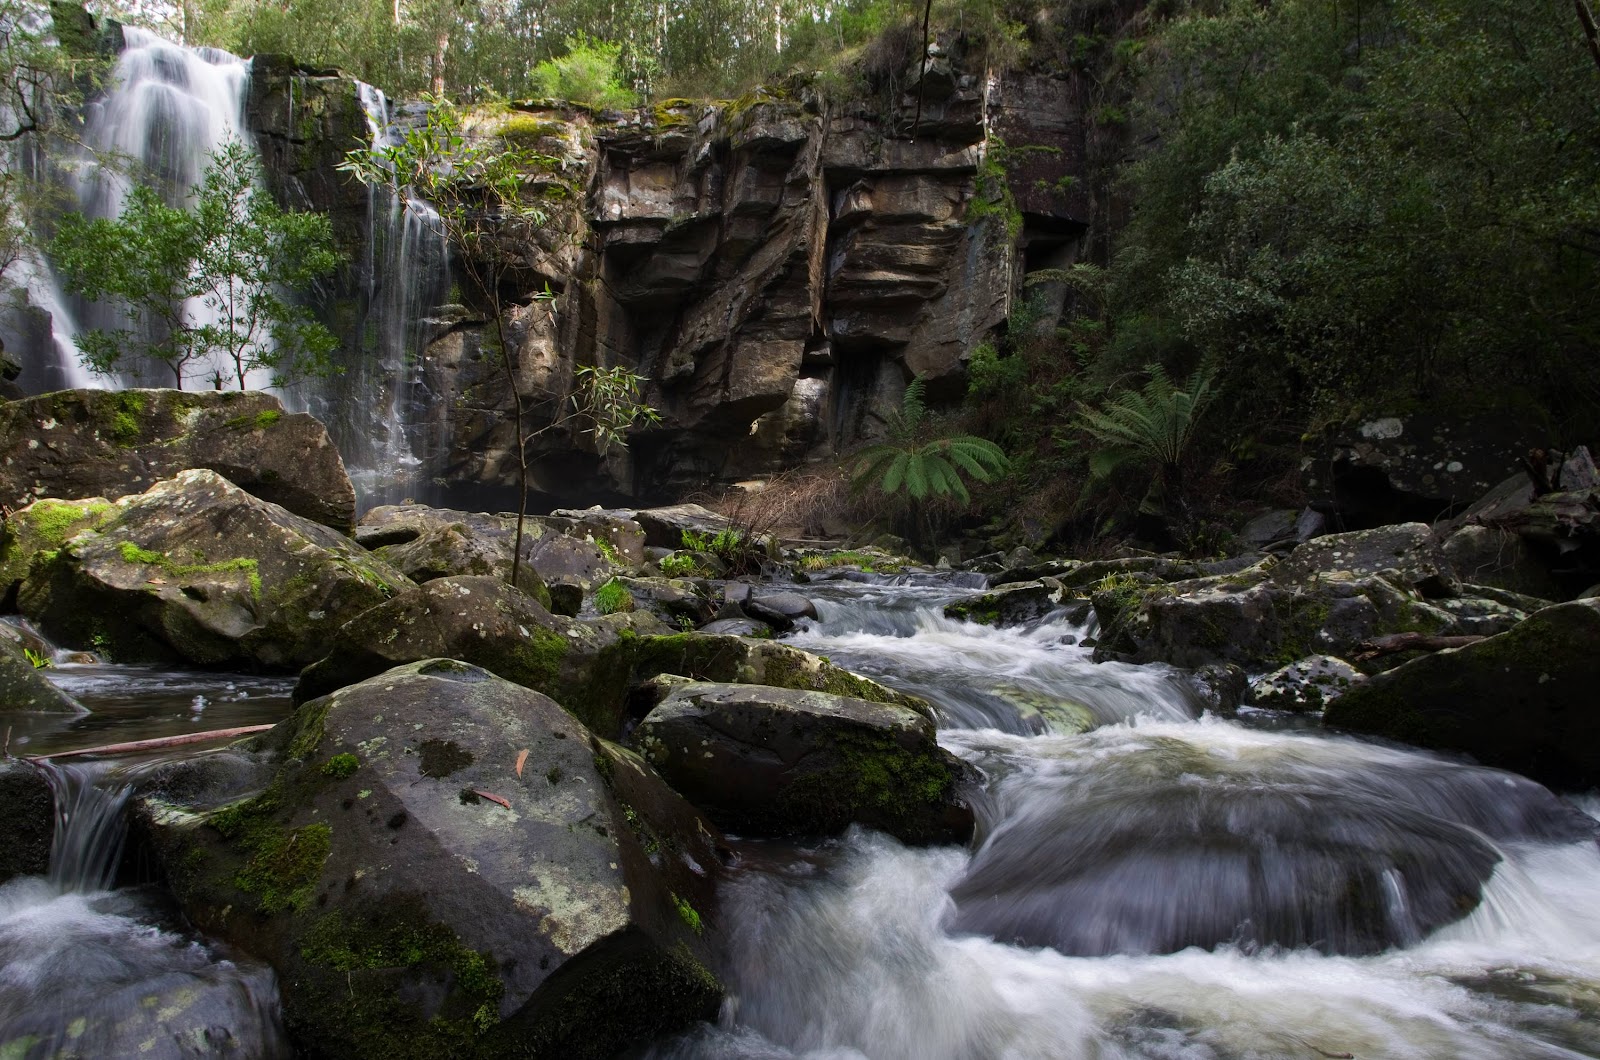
152,745
1398,642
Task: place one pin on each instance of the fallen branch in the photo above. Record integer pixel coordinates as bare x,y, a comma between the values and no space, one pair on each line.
156,744
1398,642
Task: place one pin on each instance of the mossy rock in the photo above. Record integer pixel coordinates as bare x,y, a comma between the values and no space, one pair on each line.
195,569
80,444
488,880
774,761
1524,700
43,526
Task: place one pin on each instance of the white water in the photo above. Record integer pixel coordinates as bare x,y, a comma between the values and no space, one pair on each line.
86,971
385,444
1130,832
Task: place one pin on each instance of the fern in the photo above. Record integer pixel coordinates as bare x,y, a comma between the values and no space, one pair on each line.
933,469
1152,425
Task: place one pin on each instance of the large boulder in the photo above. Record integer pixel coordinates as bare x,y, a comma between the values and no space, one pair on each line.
75,444
1501,559
196,569
1407,555
447,864
666,527
484,621
775,761
1524,700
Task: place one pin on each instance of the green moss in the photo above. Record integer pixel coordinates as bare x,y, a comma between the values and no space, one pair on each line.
876,781
283,866
123,414
536,662
525,128
341,766
310,722
132,553
371,949
260,421
689,915
51,520
674,112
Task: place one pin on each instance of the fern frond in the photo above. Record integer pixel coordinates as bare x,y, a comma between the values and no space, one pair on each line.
897,472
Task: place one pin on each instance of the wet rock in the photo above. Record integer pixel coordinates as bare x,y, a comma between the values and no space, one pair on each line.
1335,847
737,627
772,761
472,545
1408,555
29,823
449,864
1011,605
25,690
485,622
781,611
1269,527
1524,700
1308,685
77,444
1221,687
197,569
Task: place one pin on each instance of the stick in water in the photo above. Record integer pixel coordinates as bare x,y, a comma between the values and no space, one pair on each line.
156,744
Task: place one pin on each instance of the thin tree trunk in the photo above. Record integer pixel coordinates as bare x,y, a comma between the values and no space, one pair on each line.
922,79
521,433
1590,32
155,744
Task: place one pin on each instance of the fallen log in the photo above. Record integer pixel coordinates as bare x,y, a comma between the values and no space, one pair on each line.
1398,642
156,744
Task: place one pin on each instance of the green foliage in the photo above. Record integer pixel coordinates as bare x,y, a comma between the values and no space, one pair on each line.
989,375
588,73
1153,425
733,545
932,468
38,659
679,565
613,598
233,252
341,766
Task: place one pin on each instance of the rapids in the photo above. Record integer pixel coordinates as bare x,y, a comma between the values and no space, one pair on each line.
1160,886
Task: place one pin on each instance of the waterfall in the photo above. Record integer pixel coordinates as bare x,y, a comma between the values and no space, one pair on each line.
383,425
90,828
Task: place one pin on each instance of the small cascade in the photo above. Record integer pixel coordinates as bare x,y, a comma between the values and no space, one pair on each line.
379,409
90,827
87,970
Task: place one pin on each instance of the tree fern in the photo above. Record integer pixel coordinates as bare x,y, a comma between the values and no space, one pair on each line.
1152,425
930,469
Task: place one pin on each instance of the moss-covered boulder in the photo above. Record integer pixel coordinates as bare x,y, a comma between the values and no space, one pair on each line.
198,570
472,545
43,526
1011,605
24,690
447,864
1525,700
776,761
76,444
484,621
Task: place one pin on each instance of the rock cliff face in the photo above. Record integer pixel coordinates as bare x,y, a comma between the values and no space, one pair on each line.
776,268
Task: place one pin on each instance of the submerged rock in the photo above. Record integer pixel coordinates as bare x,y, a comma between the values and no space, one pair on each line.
1524,700
197,569
76,444
447,864
774,761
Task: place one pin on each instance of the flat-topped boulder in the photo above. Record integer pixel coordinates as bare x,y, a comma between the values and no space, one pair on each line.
775,761
76,444
198,570
447,864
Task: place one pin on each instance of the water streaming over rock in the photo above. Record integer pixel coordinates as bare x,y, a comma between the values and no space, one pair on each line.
94,972
1159,887
382,410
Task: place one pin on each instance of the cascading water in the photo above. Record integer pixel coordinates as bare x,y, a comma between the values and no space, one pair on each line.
169,108
379,410
1158,886
93,972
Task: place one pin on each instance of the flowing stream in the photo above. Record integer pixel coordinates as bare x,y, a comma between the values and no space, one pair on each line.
1148,884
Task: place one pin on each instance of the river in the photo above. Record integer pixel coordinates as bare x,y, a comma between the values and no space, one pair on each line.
1146,882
